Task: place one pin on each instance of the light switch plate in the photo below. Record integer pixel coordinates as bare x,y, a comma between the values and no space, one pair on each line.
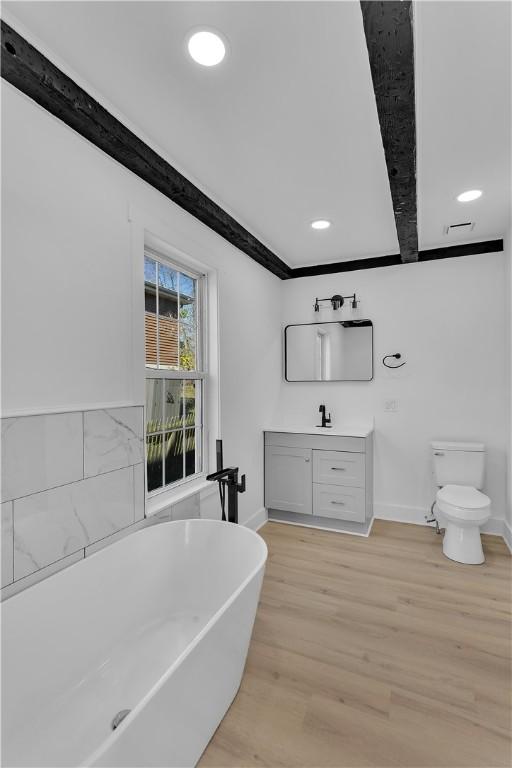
391,406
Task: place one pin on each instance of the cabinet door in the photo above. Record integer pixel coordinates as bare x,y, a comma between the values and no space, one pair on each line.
289,479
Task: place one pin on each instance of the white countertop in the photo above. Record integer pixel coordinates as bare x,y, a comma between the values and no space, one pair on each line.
337,430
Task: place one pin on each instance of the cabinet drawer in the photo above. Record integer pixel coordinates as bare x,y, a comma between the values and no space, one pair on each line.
342,503
338,468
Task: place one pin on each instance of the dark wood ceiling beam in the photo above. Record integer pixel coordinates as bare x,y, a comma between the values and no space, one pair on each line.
388,28
346,266
32,73
432,254
466,249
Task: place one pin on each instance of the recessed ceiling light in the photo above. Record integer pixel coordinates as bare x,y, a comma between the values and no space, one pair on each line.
471,194
206,48
320,224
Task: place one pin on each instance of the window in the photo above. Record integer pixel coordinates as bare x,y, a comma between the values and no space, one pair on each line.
174,375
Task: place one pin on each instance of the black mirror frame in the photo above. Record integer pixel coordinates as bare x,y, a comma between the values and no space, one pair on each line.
354,323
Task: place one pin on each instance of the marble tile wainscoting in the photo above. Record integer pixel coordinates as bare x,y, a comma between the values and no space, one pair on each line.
71,482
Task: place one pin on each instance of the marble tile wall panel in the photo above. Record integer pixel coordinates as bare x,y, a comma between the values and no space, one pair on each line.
102,543
210,504
43,573
50,525
40,452
139,489
113,439
187,508
7,544
162,516
72,483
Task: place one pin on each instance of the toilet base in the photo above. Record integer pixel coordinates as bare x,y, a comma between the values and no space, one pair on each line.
463,544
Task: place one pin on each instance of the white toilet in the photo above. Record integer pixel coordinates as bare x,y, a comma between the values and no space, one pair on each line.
459,472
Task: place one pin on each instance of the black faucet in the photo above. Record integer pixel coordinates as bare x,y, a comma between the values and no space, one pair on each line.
227,478
326,420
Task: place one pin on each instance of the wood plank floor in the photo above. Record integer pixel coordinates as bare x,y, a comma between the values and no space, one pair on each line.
374,652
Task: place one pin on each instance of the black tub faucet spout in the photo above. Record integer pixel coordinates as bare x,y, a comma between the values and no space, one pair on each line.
227,478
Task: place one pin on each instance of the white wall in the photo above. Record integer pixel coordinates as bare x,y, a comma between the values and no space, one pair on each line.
508,513
67,288
67,300
447,319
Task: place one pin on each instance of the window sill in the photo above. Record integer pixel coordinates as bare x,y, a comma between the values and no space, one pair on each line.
155,504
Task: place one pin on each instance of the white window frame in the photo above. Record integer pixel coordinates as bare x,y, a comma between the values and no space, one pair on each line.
201,374
171,234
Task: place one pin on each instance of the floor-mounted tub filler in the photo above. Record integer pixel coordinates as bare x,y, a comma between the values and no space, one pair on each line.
132,656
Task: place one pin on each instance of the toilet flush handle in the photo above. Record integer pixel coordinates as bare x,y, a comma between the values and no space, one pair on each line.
438,453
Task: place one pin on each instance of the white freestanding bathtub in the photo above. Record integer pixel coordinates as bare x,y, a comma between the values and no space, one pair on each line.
158,623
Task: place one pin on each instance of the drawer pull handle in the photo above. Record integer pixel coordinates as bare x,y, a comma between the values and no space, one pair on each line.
340,503
338,469
306,460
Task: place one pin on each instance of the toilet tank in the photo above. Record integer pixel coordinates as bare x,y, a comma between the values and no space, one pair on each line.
458,463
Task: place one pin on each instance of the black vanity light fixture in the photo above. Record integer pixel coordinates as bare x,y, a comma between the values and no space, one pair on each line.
338,301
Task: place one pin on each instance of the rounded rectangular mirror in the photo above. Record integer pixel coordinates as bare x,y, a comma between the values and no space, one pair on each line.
333,351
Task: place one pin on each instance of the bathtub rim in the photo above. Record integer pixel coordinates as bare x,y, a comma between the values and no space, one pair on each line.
116,735
54,577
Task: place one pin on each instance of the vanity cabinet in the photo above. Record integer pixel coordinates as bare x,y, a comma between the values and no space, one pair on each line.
321,480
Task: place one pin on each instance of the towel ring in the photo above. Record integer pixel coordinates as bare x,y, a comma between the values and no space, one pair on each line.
397,356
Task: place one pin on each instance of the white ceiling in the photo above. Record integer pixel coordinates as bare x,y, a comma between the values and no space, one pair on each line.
463,81
285,130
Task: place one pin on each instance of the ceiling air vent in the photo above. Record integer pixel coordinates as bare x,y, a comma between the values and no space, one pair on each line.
459,229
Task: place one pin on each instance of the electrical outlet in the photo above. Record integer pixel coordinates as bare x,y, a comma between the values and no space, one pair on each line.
391,406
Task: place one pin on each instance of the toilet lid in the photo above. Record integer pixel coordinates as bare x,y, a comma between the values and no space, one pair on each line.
463,496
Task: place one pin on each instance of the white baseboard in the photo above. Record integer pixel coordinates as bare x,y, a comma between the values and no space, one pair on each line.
495,526
316,527
507,535
258,519
416,515
400,514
